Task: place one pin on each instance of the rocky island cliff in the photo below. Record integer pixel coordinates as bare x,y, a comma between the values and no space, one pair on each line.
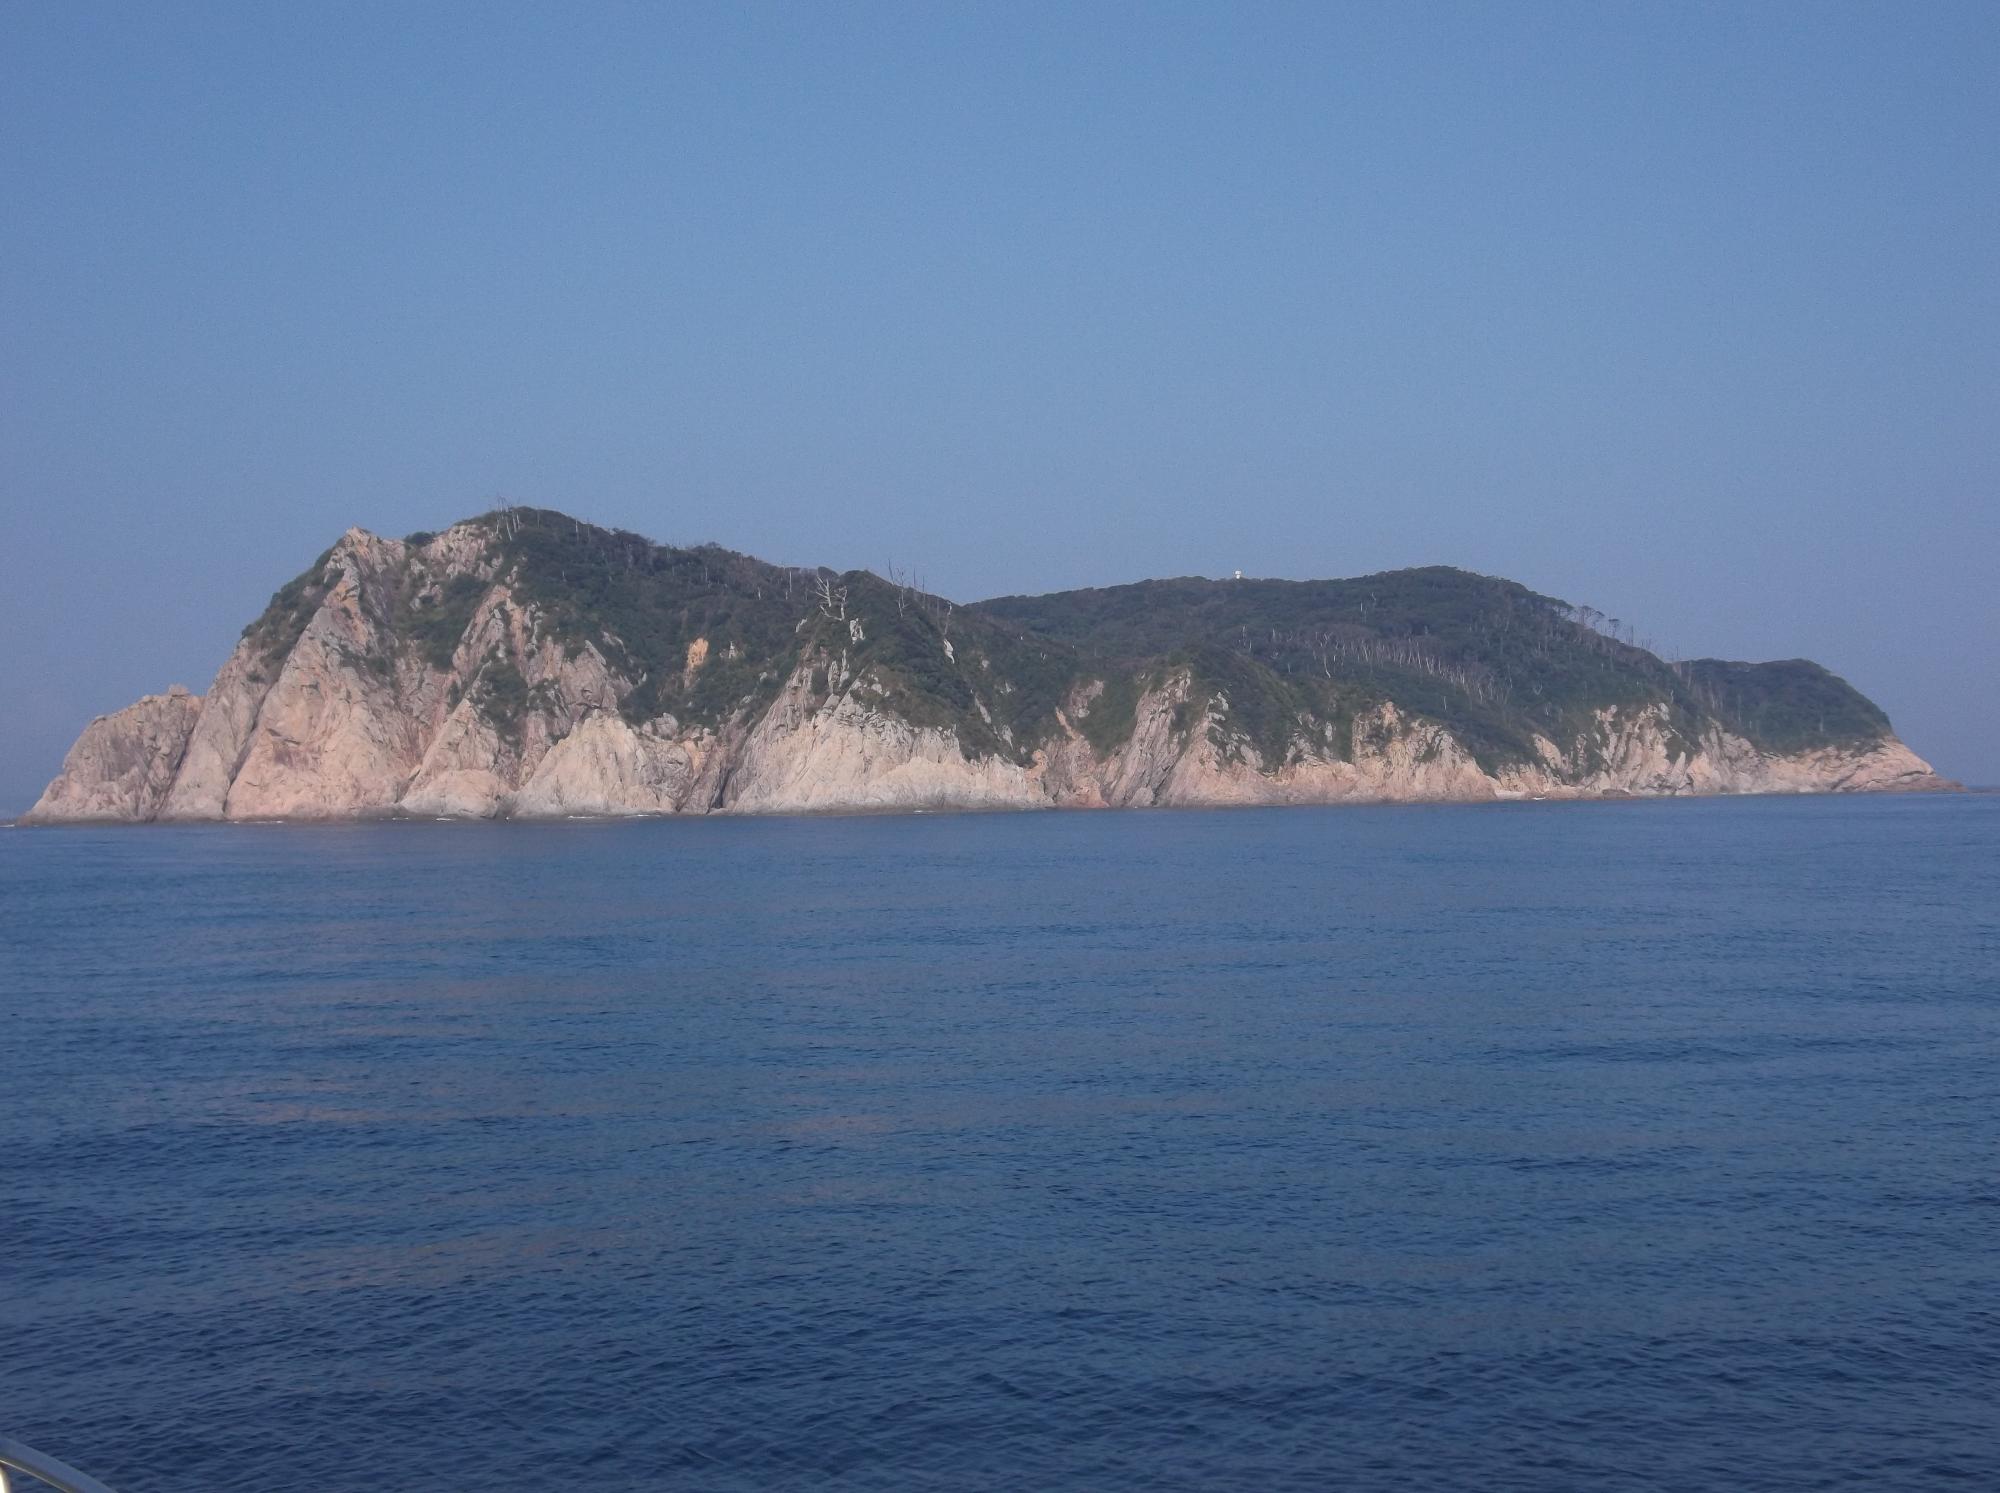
525,664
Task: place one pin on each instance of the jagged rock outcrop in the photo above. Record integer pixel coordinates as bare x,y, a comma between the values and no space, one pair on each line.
607,766
839,752
527,665
221,737
123,766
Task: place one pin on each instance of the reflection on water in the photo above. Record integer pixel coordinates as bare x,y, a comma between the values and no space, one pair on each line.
1548,1147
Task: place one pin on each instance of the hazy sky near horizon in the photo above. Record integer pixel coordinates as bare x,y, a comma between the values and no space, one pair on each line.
1687,312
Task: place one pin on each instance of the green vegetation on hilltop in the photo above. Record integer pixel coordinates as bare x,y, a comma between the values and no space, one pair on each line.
279,626
933,663
642,605
1495,662
1787,706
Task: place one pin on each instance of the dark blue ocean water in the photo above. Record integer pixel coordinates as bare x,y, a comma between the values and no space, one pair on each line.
1586,1147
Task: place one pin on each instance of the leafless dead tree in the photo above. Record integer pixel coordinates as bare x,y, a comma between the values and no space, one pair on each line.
831,599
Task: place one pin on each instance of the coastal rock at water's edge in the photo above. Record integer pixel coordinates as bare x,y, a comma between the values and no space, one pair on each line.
123,766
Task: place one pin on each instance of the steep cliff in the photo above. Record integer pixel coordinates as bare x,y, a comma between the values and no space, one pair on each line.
123,767
525,664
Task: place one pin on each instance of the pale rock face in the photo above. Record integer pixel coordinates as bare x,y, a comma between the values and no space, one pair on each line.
1888,767
1208,773
1640,758
1138,772
606,766
468,771
459,550
472,768
123,765
332,738
1390,759
847,756
1635,753
1415,759
221,737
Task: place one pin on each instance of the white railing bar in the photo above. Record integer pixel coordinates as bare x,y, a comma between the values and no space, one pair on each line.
58,1475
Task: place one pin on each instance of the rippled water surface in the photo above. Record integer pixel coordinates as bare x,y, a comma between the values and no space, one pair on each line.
1536,1147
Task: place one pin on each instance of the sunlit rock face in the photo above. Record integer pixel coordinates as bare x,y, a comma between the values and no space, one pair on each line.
527,665
123,766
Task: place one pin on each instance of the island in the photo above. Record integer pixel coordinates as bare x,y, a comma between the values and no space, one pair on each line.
526,664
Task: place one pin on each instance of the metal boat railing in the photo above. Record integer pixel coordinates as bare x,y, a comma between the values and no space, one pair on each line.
58,1475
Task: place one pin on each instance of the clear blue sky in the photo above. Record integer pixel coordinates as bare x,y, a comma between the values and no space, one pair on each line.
1691,313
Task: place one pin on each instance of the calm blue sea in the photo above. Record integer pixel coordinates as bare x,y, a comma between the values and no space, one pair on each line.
1592,1147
